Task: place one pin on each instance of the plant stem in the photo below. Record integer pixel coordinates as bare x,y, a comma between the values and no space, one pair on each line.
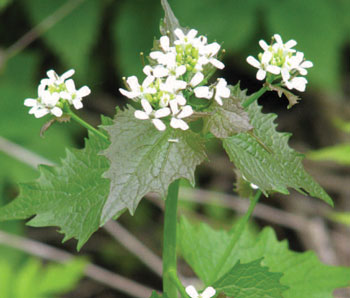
87,125
175,279
239,228
169,240
254,97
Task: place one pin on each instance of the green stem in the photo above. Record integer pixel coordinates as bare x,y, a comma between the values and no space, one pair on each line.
254,97
87,125
177,282
236,236
169,240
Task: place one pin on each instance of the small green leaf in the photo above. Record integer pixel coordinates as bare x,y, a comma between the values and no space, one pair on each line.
228,119
303,273
338,153
143,160
274,166
250,280
70,196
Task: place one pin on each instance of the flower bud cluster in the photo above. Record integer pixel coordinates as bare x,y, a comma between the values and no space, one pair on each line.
176,72
54,92
283,62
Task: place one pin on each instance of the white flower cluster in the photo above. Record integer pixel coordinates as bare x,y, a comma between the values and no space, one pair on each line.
53,92
207,293
177,72
281,59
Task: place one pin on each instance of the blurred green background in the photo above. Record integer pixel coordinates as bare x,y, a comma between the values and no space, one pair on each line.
102,40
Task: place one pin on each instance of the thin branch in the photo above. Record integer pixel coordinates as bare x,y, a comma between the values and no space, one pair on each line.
135,246
41,28
95,272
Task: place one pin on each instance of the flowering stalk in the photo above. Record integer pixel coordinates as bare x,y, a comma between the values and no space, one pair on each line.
238,229
169,240
255,96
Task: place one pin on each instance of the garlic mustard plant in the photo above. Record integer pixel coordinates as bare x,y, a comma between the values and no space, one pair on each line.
280,63
54,92
160,138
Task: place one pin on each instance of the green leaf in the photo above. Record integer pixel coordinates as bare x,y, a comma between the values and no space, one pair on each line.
143,160
73,36
32,280
228,119
70,196
338,153
250,280
303,273
340,217
155,295
273,166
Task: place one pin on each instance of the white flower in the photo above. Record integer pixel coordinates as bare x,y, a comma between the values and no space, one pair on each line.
158,71
136,90
172,85
207,53
74,96
221,91
264,65
298,63
298,83
286,47
149,113
178,113
207,293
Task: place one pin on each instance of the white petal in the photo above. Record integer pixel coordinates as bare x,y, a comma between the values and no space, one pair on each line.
67,74
178,123
128,93
192,34
273,69
197,79
146,106
52,74
285,74
254,186
261,74
83,91
141,115
180,70
77,103
174,106
266,57
147,81
208,292
159,124
291,43
70,86
179,85
41,113
178,32
278,39
307,64
192,292
148,70
212,49
57,112
156,55
186,112
162,113
30,102
160,72
218,100
181,100
133,83
203,92
218,64
164,43
263,45
299,83
254,62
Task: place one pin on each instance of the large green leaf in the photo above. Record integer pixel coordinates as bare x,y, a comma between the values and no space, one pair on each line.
70,196
145,160
73,36
250,280
31,280
303,273
267,160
